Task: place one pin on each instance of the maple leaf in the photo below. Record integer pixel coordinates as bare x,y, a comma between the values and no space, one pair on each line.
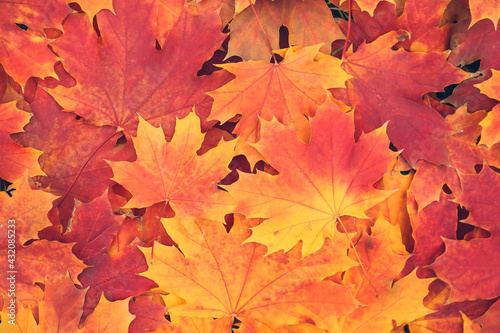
466,267
190,187
92,7
487,9
149,315
414,127
73,159
40,261
480,197
129,75
25,53
403,303
430,224
422,20
109,316
15,159
28,208
491,86
235,280
465,263
93,227
24,320
393,207
489,321
309,22
429,180
317,183
367,28
464,151
467,94
116,276
382,265
61,307
288,91
490,125
478,42
365,5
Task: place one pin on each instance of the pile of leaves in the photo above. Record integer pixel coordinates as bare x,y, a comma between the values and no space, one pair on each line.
275,166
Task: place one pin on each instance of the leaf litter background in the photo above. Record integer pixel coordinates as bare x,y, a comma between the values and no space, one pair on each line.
168,172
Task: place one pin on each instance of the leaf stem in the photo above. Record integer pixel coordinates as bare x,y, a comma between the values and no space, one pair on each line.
348,29
357,256
156,230
264,31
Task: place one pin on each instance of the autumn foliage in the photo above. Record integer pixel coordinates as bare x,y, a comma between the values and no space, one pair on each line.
236,166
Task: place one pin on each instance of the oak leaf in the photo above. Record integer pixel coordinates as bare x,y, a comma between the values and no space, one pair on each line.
317,183
308,22
287,91
174,174
218,277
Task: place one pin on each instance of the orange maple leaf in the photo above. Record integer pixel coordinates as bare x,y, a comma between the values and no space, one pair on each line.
28,208
318,183
218,277
402,304
24,320
486,9
109,316
61,308
14,159
288,91
173,173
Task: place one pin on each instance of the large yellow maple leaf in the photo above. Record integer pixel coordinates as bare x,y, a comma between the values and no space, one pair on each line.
218,277
317,184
